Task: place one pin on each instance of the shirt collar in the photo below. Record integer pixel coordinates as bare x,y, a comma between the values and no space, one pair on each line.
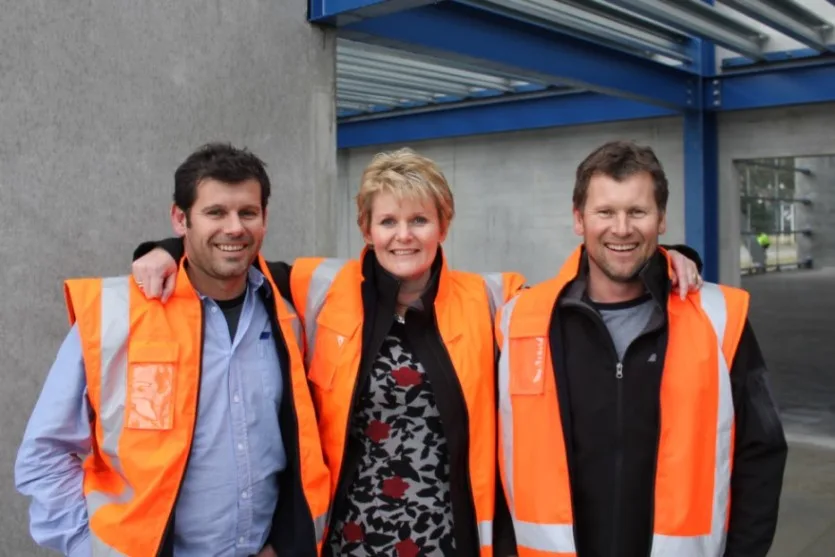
255,279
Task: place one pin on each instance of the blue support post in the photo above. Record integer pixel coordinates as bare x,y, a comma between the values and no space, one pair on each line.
701,188
701,174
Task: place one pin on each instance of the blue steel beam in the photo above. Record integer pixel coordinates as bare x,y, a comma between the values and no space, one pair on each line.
779,86
701,188
468,34
340,12
701,174
475,118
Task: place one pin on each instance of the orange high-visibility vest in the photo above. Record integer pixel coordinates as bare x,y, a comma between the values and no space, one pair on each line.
693,474
142,361
327,295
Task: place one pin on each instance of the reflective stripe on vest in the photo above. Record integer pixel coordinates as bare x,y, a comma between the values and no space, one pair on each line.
559,538
107,333
320,283
713,544
115,328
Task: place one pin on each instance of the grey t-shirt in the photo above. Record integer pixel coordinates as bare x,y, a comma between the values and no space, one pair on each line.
626,320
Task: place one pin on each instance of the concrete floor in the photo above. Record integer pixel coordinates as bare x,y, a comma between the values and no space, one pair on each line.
793,314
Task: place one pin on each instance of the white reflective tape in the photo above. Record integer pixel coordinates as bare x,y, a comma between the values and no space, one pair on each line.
115,331
713,543
495,291
295,324
320,283
505,406
320,523
485,533
554,538
115,328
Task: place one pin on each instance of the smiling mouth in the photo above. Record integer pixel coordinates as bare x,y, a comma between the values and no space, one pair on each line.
403,251
230,248
622,248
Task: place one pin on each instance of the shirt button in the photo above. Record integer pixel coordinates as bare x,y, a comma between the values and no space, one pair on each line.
241,540
244,495
240,446
214,309
236,398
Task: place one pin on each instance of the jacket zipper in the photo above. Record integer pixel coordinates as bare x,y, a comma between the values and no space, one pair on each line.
166,531
618,458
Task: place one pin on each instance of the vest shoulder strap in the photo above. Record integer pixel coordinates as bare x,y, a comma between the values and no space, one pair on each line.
311,279
501,287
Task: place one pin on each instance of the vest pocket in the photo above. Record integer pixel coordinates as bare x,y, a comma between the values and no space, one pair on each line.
529,365
332,339
149,392
325,358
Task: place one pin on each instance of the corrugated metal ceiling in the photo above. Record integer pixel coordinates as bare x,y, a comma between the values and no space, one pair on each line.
374,79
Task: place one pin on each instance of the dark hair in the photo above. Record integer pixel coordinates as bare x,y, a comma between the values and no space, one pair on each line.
222,162
620,160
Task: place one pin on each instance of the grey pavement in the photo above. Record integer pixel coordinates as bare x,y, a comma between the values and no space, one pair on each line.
793,315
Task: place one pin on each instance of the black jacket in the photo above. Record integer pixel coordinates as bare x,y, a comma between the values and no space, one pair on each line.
612,428
379,295
292,533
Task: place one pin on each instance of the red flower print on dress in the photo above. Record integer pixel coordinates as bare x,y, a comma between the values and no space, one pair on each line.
407,377
352,532
377,430
395,487
406,548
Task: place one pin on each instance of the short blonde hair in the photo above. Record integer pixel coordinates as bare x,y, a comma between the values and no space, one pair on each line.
406,174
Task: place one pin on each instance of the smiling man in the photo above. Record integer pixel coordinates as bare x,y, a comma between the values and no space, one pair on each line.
183,429
634,422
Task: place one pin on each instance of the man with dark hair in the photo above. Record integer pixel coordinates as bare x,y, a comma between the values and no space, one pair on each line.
634,422
183,429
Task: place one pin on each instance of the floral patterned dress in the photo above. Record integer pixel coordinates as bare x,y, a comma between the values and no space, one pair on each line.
399,501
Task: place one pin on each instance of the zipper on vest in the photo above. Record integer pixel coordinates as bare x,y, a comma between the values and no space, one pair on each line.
618,460
168,530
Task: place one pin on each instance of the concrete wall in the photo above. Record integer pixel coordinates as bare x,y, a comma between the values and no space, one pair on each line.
513,190
819,216
100,102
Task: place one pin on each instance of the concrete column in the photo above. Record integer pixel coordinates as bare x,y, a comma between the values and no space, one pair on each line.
99,102
819,215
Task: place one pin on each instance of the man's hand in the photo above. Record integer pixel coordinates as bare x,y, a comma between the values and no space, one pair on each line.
686,277
268,551
156,274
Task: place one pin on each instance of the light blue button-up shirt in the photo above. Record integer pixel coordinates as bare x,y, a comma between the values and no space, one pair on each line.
230,487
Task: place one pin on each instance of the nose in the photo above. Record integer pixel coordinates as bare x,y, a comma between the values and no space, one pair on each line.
403,232
233,226
620,227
